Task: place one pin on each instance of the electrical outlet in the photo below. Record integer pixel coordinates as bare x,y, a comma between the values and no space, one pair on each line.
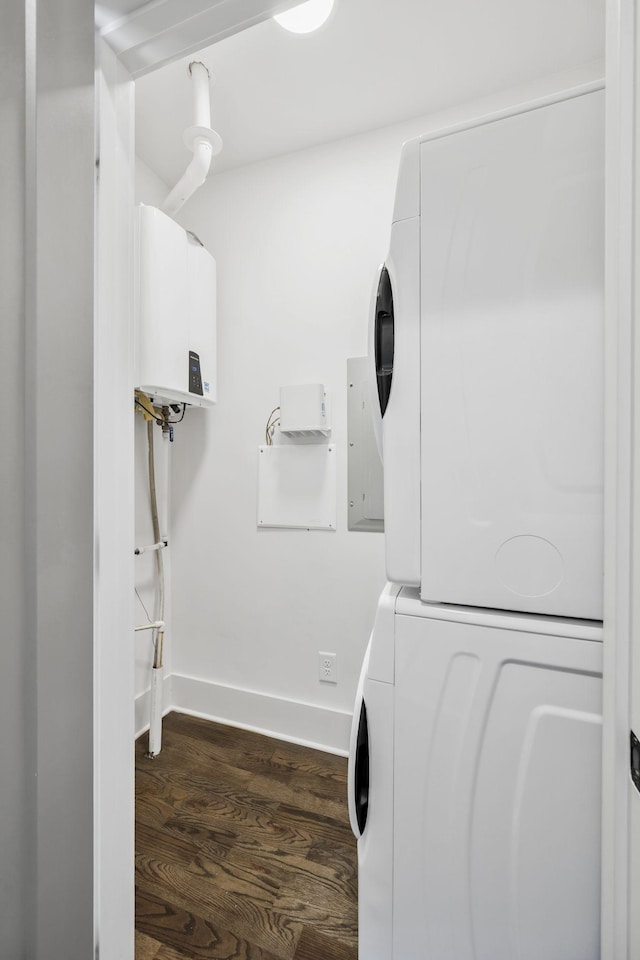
327,667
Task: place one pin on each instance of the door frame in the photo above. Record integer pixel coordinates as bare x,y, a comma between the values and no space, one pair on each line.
622,452
143,40
622,460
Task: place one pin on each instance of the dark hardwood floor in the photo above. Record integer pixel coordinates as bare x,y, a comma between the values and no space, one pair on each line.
243,849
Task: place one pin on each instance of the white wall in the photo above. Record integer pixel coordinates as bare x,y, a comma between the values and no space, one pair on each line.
149,188
296,241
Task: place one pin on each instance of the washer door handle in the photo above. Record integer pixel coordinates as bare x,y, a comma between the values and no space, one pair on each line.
362,770
358,773
635,759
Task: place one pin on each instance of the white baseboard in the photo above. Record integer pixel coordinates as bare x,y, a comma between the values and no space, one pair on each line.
305,723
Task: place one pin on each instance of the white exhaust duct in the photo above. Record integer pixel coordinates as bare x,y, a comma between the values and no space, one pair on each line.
204,142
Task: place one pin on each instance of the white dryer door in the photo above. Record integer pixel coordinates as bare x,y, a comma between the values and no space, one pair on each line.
512,267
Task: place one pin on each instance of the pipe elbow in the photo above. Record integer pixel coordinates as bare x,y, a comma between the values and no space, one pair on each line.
200,162
193,177
200,138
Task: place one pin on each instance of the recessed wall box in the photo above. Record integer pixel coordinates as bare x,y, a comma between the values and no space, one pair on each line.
175,312
303,411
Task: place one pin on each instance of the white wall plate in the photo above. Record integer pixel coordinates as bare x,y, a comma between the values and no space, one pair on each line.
297,486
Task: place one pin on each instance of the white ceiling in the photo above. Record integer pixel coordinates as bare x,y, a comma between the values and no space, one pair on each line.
374,63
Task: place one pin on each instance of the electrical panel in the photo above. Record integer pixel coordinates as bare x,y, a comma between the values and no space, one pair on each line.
175,312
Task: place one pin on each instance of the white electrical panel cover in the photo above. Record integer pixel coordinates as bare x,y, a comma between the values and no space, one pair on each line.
297,486
175,312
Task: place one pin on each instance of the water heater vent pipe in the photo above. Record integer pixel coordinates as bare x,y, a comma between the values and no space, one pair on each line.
204,142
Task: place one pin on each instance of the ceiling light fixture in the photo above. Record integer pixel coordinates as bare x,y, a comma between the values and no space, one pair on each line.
306,16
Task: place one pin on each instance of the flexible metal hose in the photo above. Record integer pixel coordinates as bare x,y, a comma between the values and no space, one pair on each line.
158,642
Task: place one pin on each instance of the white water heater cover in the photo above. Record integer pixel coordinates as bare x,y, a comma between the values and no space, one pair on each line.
175,312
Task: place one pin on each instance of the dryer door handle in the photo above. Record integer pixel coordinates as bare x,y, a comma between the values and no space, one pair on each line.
374,396
384,338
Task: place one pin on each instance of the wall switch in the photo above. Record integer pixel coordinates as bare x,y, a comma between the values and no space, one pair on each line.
327,667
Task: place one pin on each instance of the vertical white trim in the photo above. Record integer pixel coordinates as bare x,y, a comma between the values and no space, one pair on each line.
30,622
633,839
60,505
114,513
622,540
629,673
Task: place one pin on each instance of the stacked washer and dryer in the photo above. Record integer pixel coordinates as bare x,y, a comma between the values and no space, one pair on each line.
474,771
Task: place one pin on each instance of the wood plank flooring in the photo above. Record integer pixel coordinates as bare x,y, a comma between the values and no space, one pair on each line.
243,849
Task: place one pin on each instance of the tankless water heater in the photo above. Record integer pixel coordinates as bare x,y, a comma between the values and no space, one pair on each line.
175,312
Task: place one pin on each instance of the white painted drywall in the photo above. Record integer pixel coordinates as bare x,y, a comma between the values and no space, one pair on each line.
149,187
46,480
17,755
65,742
297,241
60,491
